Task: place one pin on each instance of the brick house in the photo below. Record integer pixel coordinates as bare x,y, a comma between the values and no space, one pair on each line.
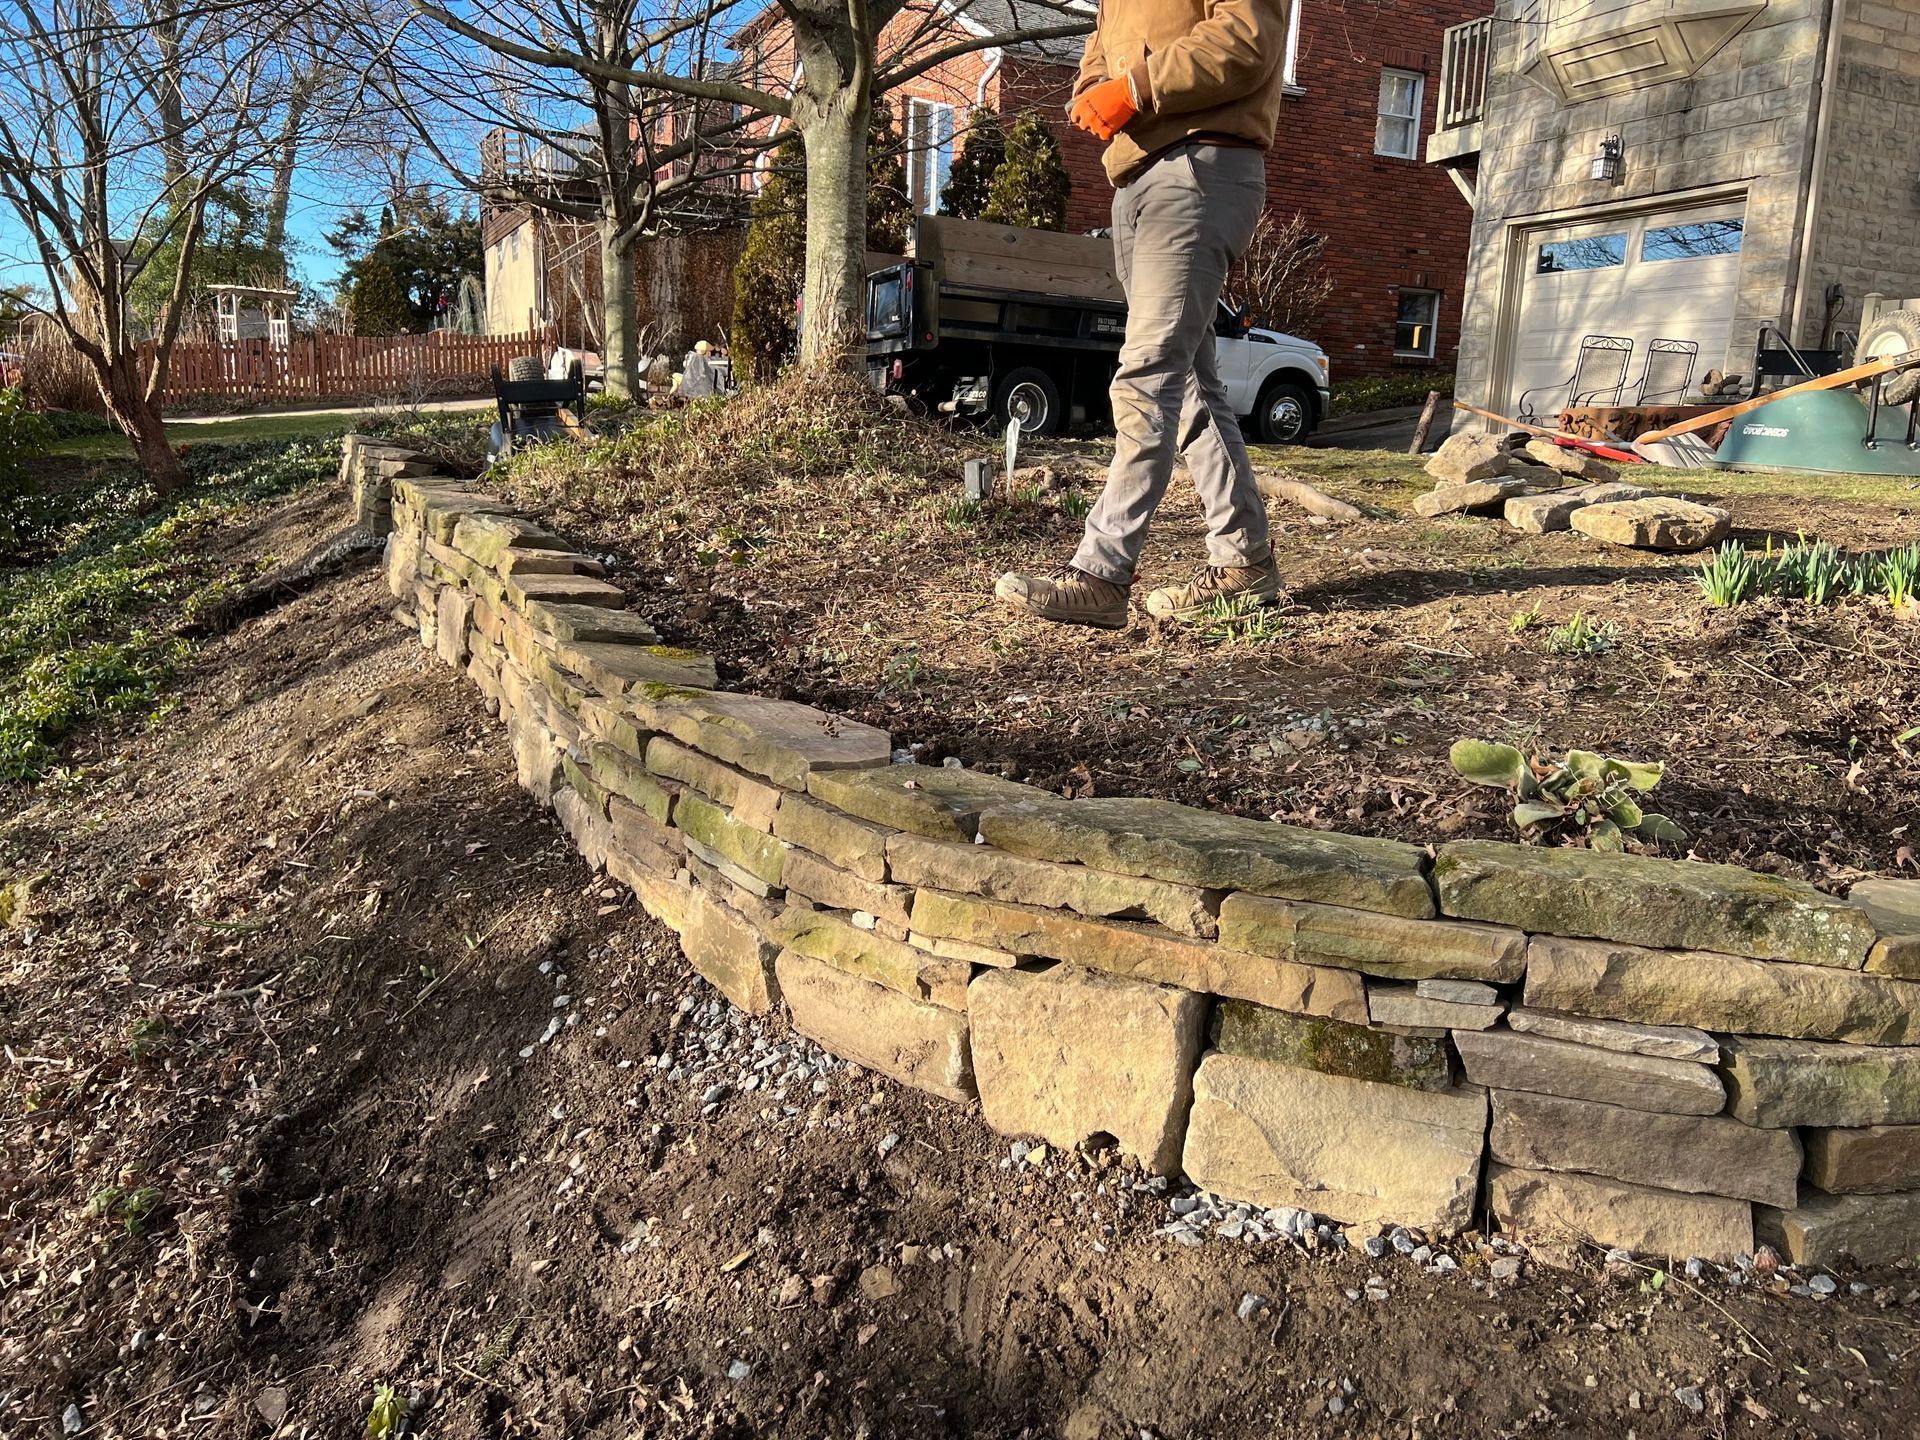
1677,170
1347,161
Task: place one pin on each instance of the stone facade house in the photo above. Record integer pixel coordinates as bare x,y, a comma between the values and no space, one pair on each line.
1677,170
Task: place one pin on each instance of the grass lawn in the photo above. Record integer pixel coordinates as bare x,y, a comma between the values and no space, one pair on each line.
113,446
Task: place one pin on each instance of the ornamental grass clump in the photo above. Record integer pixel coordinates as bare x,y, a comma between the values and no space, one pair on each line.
1584,793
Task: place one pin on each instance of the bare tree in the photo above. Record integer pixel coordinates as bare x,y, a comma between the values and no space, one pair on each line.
119,121
1282,282
666,47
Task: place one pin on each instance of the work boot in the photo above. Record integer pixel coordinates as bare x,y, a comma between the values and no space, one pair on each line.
1069,596
1258,583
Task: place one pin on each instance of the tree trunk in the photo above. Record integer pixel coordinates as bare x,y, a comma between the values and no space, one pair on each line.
124,389
620,324
835,136
286,156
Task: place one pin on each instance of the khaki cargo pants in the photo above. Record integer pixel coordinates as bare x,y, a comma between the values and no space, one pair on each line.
1177,228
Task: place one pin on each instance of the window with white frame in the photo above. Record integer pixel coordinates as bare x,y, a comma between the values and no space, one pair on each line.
929,152
1397,130
1415,326
1289,73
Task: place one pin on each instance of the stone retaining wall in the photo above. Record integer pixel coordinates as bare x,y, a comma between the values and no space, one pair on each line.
1669,1056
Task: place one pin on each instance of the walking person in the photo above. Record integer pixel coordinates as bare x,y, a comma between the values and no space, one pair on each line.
1186,93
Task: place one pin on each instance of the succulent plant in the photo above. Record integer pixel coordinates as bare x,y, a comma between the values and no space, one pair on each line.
1593,793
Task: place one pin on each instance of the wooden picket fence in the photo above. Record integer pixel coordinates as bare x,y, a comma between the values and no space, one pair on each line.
356,367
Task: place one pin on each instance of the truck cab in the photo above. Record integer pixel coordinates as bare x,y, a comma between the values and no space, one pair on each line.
1278,383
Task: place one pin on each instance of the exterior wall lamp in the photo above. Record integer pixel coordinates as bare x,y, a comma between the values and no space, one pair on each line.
1609,163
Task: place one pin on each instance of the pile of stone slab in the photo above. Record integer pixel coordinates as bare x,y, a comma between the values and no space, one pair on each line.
1664,1055
1540,487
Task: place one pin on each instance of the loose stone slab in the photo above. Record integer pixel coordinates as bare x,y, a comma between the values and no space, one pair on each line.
730,952
1674,904
1776,1083
1388,945
807,875
1541,514
754,851
1462,459
1068,1054
1894,906
1833,1229
918,1044
1403,1005
1659,522
1474,497
1640,1218
777,739
1143,952
1274,1134
1457,992
1165,841
1720,992
1700,1154
1668,1042
1505,1060
962,950
993,874
853,845
914,973
1577,464
615,669
931,800
752,800
586,624
1869,1160
1359,1052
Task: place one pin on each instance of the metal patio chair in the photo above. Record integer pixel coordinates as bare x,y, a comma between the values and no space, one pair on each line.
1668,372
1601,371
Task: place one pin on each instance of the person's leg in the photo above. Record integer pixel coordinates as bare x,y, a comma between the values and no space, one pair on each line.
1216,456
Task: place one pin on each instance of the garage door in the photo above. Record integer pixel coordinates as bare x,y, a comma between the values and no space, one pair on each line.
1666,276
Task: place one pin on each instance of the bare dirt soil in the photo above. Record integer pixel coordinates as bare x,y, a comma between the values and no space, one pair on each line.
328,1066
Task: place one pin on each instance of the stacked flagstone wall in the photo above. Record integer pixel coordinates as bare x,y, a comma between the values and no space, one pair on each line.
1670,1056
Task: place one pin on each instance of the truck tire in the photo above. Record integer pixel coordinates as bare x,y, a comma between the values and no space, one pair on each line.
1031,394
1894,333
1284,414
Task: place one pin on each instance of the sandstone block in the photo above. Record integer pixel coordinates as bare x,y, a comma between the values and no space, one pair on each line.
1068,1054
1506,1060
591,834
853,845
580,780
1659,522
486,538
993,874
452,617
665,895
563,590
918,1044
446,566
1143,952
402,564
715,827
1721,992
608,722
1476,497
1465,458
1698,1154
644,839
1403,1005
776,739
1388,945
1333,1047
963,950
620,774
726,948
1869,1160
1276,1134
1457,992
1831,1229
1606,492
614,669
1676,904
915,973
1776,1083
1538,1204
1541,514
1177,843
1894,906
930,800
1669,1042
1576,464
807,875
536,756
751,800
759,904
588,624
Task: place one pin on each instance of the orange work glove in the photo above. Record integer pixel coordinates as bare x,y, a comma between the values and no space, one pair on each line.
1104,109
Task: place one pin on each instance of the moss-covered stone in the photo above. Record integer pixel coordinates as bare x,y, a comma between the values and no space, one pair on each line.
1333,1047
587,623
620,774
853,845
777,739
486,538
583,784
750,800
1673,904
563,590
1376,944
915,973
931,800
754,851
1777,1083
614,669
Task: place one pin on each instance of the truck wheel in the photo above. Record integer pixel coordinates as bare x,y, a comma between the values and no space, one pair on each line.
1031,395
1894,333
1284,414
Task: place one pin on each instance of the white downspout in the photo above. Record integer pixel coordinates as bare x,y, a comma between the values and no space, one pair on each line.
986,76
1817,183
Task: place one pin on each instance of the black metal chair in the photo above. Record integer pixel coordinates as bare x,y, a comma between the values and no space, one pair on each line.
1668,372
530,408
1599,375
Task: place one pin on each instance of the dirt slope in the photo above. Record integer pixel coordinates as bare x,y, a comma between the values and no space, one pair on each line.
327,1066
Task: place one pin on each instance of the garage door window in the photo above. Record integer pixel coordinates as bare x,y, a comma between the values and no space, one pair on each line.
1589,252
1413,331
1692,242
